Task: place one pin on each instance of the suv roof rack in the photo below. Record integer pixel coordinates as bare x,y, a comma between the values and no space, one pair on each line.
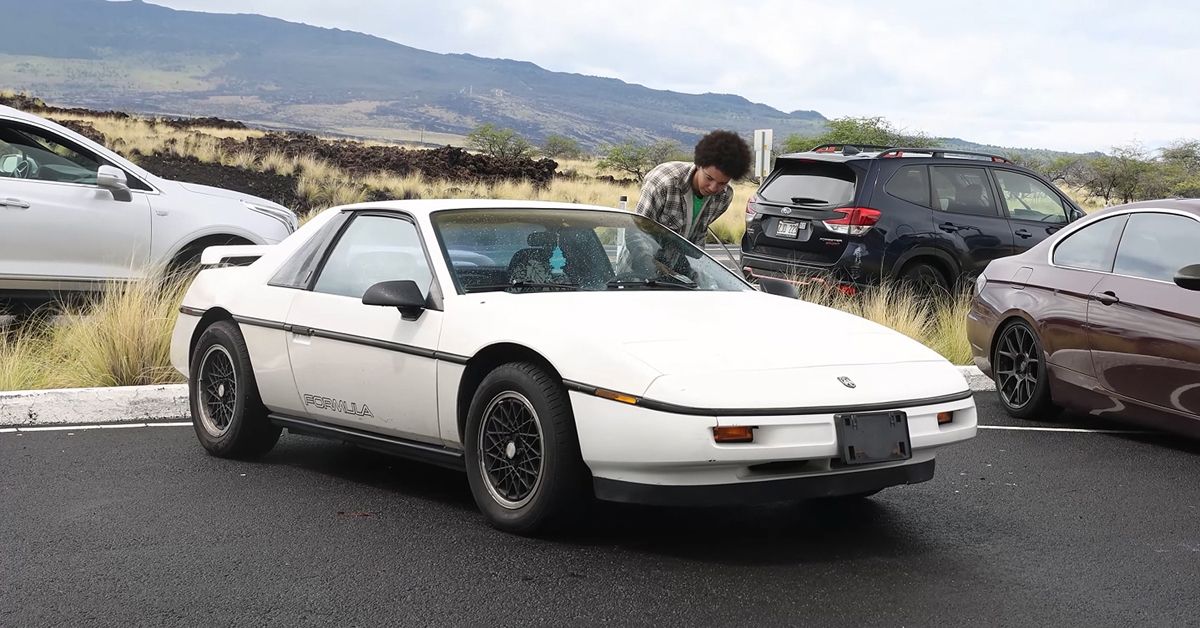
846,149
940,153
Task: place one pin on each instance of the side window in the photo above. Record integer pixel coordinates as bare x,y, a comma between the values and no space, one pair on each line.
1029,199
962,190
1092,247
27,152
1155,246
371,250
910,183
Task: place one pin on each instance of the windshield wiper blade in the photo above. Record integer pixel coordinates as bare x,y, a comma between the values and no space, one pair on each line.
667,283
808,200
521,284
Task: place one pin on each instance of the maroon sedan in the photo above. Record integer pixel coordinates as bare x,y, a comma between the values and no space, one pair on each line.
1102,318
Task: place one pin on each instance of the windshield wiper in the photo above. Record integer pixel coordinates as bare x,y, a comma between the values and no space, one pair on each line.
808,200
521,284
663,282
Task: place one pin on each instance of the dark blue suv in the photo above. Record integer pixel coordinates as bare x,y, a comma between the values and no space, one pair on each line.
931,217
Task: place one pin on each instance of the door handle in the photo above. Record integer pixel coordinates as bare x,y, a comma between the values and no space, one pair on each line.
1024,233
948,227
1108,297
14,203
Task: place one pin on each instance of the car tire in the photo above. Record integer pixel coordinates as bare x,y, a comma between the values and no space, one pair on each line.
228,415
1020,372
925,279
522,452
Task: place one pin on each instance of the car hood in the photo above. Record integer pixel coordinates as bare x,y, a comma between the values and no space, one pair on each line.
209,190
721,349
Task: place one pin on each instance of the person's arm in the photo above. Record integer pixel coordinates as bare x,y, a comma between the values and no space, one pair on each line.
653,196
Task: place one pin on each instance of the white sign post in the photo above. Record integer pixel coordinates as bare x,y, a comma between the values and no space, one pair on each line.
763,138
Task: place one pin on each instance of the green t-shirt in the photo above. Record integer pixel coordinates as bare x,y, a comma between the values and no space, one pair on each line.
697,205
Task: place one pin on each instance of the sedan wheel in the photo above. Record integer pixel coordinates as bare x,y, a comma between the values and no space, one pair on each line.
228,415
1020,371
510,447
522,453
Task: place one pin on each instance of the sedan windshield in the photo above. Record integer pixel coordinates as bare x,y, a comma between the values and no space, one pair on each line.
562,250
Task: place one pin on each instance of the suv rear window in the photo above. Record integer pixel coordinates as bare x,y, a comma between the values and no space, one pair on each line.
811,183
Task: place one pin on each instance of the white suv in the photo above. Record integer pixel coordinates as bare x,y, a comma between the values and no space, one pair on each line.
75,215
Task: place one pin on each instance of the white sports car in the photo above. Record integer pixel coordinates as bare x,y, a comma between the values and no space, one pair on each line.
556,352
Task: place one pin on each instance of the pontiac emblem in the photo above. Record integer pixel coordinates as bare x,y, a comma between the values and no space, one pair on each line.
846,381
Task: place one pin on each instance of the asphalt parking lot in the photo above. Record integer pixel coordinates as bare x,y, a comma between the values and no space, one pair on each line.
1019,527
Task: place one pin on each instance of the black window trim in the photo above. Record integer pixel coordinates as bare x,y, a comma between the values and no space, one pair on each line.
434,300
75,146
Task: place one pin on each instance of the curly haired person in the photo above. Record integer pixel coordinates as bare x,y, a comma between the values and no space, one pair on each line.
688,197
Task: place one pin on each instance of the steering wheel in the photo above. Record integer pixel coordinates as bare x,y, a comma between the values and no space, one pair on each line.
26,168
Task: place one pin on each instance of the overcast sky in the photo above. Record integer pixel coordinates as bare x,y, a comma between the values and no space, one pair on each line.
1053,74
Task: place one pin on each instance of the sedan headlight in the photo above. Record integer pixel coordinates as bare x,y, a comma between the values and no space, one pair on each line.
980,282
284,216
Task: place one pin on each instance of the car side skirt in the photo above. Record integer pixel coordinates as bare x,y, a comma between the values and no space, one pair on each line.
849,482
413,450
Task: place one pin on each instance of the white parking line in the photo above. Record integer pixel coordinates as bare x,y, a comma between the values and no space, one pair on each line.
1016,428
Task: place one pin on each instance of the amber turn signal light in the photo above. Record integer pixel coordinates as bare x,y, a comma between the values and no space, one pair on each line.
616,396
945,417
734,434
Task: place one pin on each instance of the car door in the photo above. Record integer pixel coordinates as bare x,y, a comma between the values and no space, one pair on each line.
56,224
968,216
1034,211
365,366
1063,290
1144,330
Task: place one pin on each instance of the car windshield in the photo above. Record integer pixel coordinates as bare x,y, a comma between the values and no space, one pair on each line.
541,250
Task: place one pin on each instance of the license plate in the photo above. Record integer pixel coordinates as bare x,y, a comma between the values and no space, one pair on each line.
872,437
789,228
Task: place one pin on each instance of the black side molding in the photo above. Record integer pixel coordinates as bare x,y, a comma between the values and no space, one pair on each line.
423,452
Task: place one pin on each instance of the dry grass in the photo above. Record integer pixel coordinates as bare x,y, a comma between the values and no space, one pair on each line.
21,359
278,163
940,324
122,338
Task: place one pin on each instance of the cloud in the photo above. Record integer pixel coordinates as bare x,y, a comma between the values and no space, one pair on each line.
1069,75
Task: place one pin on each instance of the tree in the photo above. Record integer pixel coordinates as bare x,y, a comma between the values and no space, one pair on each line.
851,130
497,142
561,146
637,159
628,156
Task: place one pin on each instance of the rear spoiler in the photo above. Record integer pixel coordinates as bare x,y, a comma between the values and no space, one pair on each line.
232,255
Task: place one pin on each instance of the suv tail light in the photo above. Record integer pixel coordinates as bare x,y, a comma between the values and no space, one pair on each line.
855,221
751,208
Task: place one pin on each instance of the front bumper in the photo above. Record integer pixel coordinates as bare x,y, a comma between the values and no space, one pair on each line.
652,456
767,491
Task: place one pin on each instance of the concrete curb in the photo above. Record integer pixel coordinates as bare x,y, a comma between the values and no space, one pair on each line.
162,403
90,406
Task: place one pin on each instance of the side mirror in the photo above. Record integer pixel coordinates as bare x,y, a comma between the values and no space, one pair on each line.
1188,277
779,287
403,295
113,179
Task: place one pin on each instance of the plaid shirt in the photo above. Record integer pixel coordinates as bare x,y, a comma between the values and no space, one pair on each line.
667,197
